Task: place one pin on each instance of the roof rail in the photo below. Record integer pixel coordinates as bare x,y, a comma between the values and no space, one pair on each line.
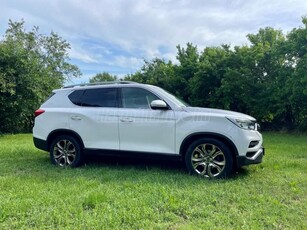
100,83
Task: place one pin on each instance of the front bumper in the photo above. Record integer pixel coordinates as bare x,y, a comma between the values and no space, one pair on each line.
256,158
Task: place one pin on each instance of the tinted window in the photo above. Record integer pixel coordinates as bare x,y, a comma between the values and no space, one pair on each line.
74,97
103,97
137,98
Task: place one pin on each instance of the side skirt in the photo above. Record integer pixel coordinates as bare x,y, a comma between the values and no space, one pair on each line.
131,154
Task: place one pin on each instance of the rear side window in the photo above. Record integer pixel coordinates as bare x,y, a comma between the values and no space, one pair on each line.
101,97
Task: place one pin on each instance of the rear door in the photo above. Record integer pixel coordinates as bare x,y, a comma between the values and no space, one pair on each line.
95,117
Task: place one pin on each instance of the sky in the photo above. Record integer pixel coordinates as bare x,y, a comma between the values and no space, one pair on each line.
116,36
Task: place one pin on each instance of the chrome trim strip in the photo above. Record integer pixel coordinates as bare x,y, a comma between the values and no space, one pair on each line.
257,154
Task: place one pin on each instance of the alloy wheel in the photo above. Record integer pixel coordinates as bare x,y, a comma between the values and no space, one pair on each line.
208,160
64,152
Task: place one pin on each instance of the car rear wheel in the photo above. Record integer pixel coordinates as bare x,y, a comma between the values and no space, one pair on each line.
209,158
66,151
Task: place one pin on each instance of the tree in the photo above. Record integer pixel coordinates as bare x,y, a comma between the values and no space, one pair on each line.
31,66
155,72
207,78
266,79
101,77
188,65
294,92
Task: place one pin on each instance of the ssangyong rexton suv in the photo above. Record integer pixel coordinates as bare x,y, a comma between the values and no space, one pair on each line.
137,118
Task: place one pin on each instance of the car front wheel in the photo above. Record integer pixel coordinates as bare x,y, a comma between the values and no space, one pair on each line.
66,151
209,158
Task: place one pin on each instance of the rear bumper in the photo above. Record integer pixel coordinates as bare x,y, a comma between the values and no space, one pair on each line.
255,159
40,144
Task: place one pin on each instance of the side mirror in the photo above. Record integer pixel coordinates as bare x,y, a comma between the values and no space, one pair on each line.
158,104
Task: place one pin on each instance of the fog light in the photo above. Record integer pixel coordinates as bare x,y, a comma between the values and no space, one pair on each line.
253,144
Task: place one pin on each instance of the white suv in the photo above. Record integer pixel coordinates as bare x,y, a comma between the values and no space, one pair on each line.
132,118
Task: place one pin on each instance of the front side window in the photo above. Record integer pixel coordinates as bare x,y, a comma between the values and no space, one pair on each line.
137,98
177,101
101,97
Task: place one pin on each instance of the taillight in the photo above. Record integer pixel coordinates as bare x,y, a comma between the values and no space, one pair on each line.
38,112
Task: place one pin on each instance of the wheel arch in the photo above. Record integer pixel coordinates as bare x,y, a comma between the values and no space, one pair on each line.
60,132
194,136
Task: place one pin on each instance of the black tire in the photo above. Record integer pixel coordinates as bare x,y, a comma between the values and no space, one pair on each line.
209,158
66,151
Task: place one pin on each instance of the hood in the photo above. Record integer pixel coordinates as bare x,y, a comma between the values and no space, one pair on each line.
218,112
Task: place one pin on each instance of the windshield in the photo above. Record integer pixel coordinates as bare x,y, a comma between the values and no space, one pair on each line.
173,98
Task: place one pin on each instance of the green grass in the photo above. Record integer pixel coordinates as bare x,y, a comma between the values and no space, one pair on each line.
126,194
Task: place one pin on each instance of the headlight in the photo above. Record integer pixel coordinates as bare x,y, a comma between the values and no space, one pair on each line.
244,123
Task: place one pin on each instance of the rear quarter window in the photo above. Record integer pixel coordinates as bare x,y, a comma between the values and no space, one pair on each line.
75,96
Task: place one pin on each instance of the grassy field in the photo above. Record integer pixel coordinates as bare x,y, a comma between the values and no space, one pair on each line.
111,193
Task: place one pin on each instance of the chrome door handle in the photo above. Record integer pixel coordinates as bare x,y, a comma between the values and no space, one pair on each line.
76,118
126,119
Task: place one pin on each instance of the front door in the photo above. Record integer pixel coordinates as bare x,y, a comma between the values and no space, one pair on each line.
142,128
